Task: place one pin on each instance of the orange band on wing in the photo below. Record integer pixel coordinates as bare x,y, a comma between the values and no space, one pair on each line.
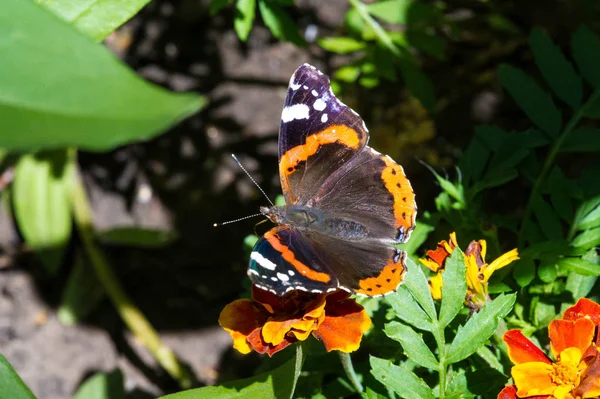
387,281
289,256
404,198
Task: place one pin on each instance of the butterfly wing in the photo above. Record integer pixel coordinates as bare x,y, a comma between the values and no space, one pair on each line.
318,135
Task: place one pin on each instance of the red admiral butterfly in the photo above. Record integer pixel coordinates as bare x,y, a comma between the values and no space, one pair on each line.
345,202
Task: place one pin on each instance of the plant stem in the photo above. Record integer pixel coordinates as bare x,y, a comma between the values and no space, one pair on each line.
131,315
549,162
346,361
382,36
440,339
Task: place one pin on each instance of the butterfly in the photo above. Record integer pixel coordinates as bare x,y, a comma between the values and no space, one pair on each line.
345,203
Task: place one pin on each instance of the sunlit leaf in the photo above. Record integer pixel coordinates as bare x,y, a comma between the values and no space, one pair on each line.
341,44
13,386
244,17
401,380
412,343
580,266
587,239
454,287
102,386
279,22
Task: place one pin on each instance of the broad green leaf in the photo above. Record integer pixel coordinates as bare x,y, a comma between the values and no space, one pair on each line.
418,83
341,44
412,343
408,310
102,386
547,219
584,139
390,11
543,313
524,271
416,283
279,23
60,89
82,294
586,51
532,99
401,380
579,285
588,214
479,328
218,5
12,385
347,73
587,239
96,18
547,271
490,358
42,204
244,17
580,266
279,383
454,287
137,237
557,71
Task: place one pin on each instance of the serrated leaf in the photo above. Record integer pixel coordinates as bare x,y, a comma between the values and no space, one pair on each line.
490,358
245,12
279,383
454,287
580,266
534,101
586,51
42,204
399,379
547,219
13,386
412,343
583,139
416,283
341,44
588,214
95,18
587,239
524,271
102,386
279,23
479,328
556,69
60,89
418,83
137,237
408,310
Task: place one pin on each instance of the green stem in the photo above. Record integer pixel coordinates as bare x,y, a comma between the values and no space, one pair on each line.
381,34
346,361
440,339
131,315
549,162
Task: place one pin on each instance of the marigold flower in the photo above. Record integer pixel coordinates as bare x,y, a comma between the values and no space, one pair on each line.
268,323
576,372
478,272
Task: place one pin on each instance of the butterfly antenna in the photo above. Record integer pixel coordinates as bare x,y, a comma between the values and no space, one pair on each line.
236,220
253,181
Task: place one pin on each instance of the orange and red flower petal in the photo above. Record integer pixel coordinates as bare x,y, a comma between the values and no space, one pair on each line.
583,309
508,392
522,350
256,341
240,319
570,334
533,378
344,325
589,387
434,259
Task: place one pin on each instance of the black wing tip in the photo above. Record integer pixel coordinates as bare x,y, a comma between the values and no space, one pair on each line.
306,73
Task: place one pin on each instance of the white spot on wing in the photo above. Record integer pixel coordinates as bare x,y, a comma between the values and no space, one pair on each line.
324,118
296,111
319,104
252,271
293,84
305,87
282,277
262,261
314,93
274,278
291,273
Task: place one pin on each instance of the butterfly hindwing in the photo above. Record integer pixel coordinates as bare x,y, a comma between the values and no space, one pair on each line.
318,134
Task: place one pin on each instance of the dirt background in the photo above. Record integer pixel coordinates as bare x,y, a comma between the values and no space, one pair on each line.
185,180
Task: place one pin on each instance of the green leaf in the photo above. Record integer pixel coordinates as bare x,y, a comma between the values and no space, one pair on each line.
479,328
82,294
524,271
60,89
547,219
458,387
218,5
557,71
580,266
401,380
587,239
586,51
490,358
408,310
543,313
454,287
42,204
492,136
347,73
418,83
412,343
13,386
341,44
102,386
534,101
416,283
583,139
96,18
547,272
588,214
245,11
473,160
432,45
560,195
279,23
137,237
579,285
390,11
279,383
